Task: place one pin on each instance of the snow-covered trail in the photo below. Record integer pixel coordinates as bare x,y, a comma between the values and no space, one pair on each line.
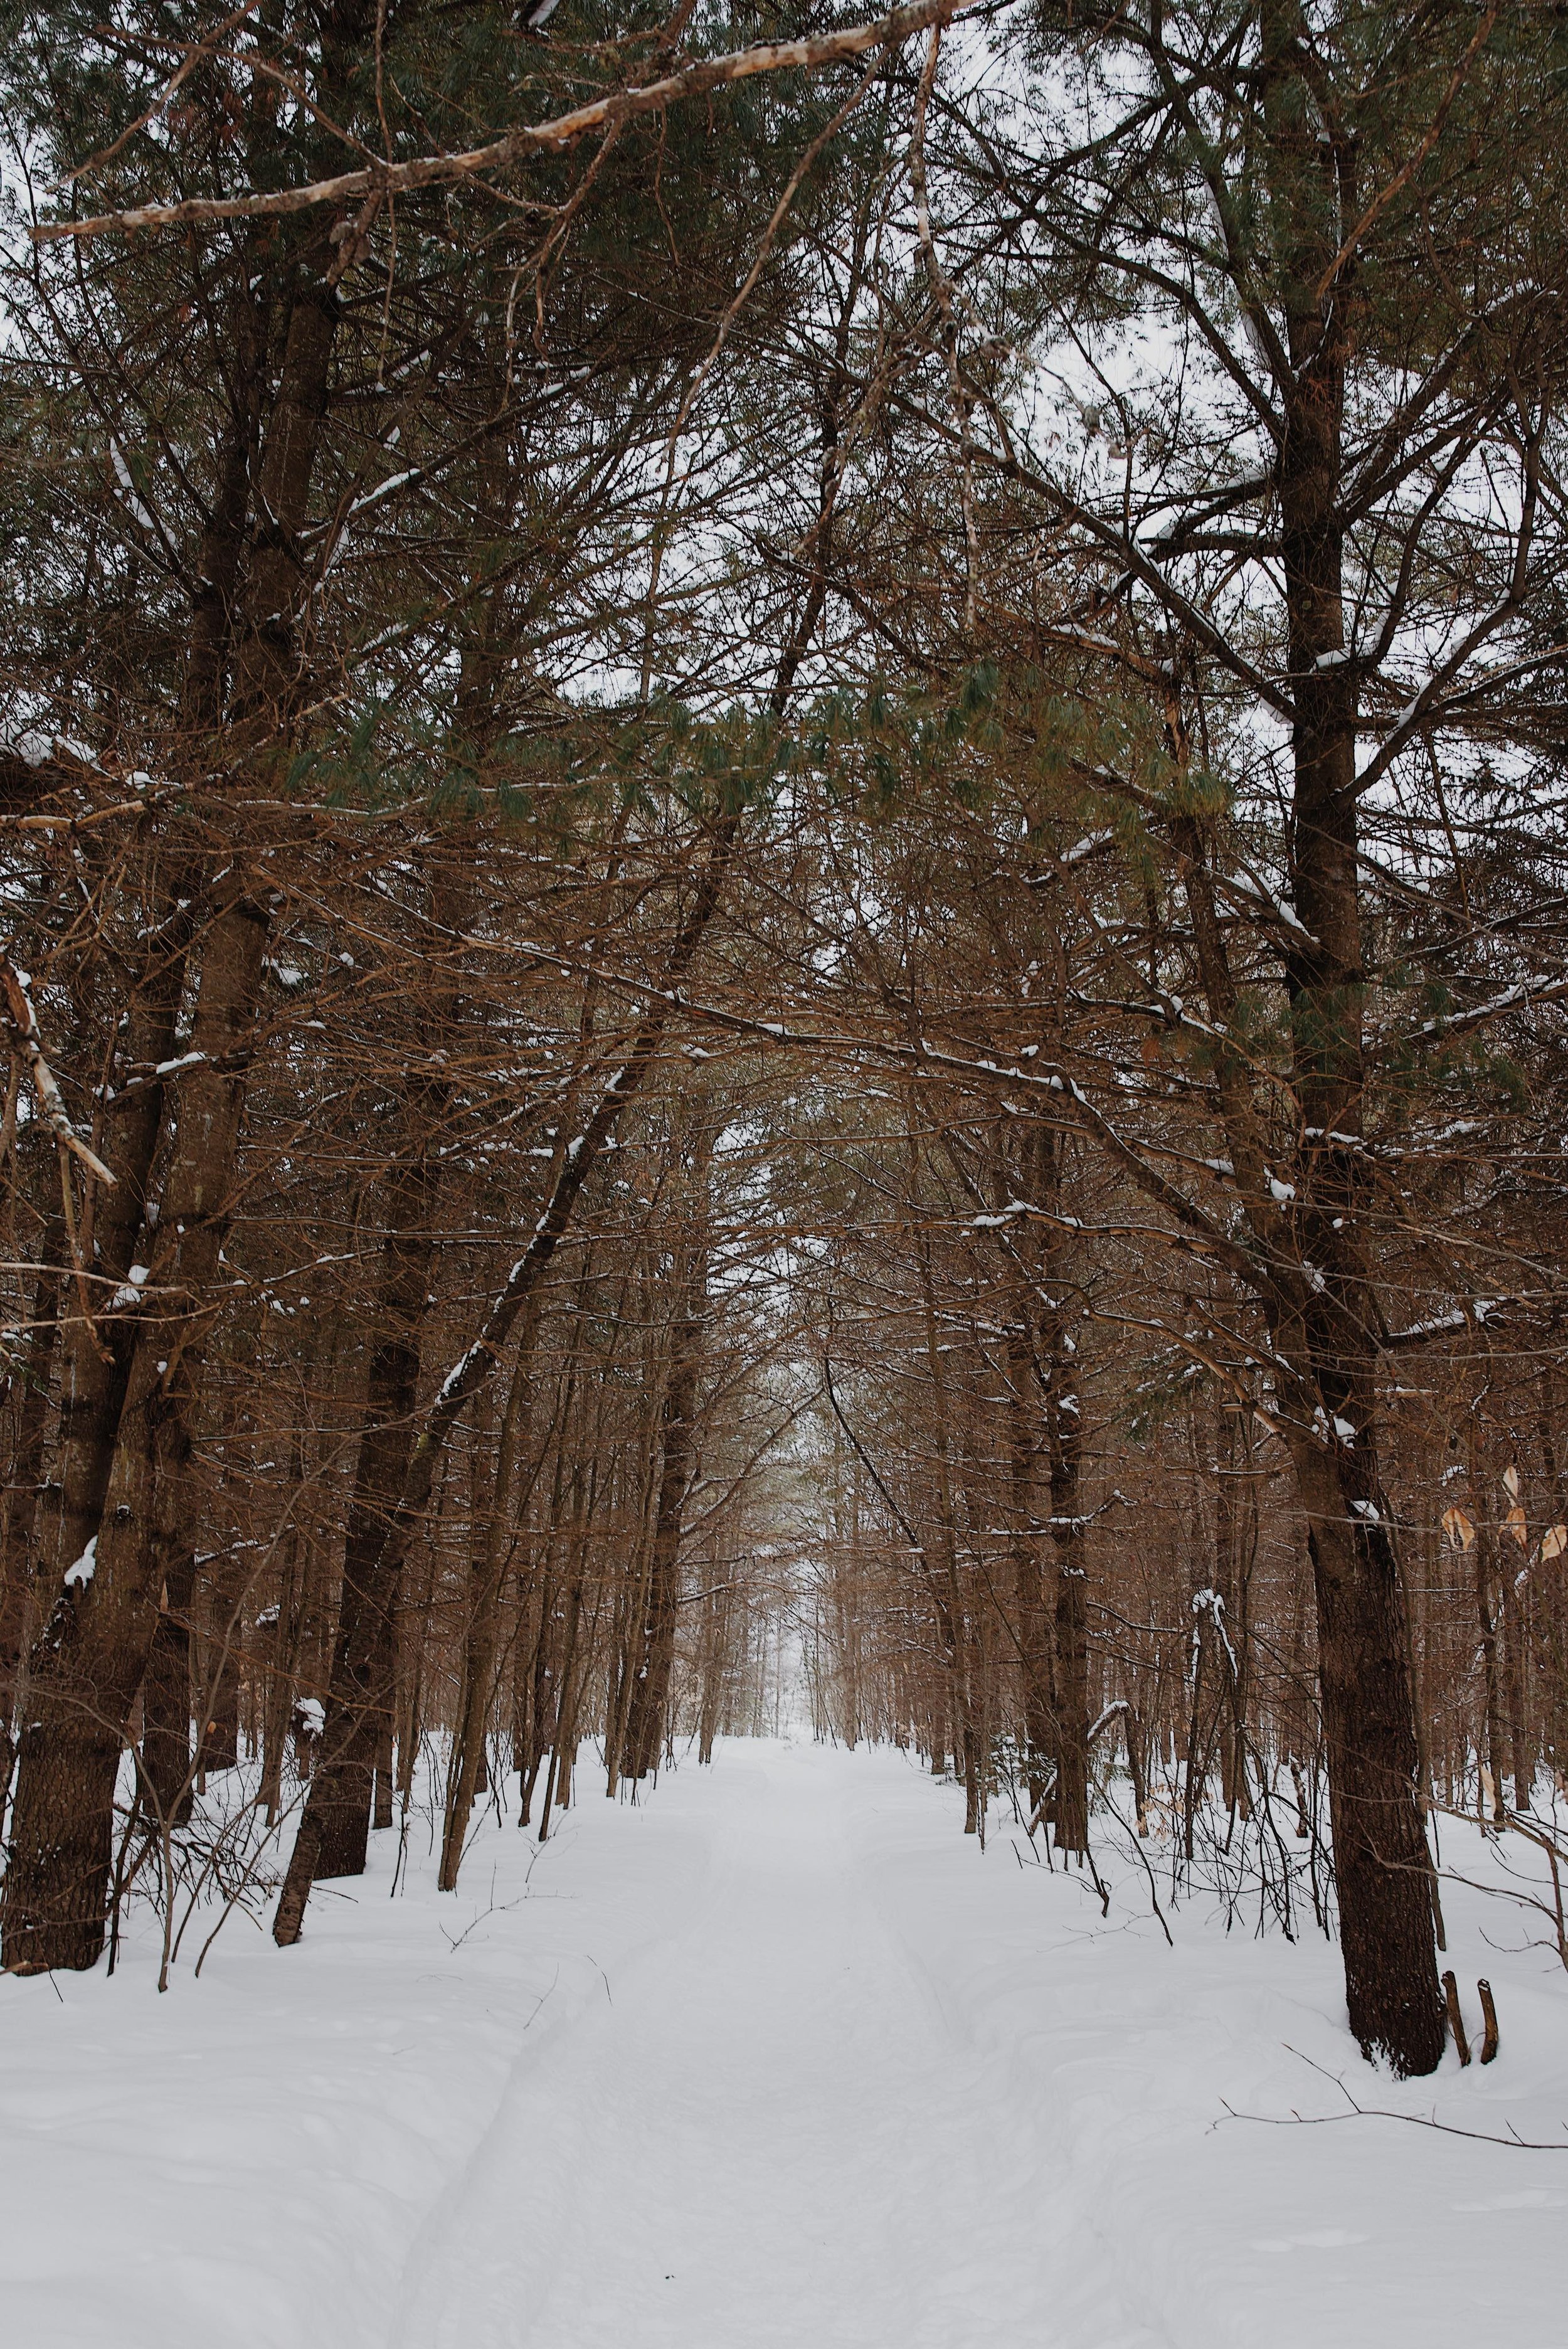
775,2056
766,2134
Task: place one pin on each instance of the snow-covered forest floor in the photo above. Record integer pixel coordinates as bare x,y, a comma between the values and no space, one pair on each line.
777,2056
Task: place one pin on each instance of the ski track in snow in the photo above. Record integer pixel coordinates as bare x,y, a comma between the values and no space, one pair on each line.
766,2134
775,2056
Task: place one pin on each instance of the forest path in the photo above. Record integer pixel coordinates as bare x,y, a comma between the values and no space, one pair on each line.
767,2133
776,2056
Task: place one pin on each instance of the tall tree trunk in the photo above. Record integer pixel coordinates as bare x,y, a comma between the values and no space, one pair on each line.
558,1784
491,1556
281,1651
715,1672
343,1789
1323,1312
23,1487
947,1584
655,1651
87,1665
166,1764
1064,1428
1034,1626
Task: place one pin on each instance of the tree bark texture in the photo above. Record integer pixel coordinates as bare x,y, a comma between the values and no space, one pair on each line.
126,1442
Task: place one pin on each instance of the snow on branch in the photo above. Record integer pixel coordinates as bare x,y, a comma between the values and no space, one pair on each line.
18,1015
378,180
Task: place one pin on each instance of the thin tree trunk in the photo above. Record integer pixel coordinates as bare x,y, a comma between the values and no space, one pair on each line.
1492,1751
166,1771
1034,1628
655,1651
17,1577
490,1559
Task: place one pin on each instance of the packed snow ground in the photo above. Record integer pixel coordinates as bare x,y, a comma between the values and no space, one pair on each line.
776,2059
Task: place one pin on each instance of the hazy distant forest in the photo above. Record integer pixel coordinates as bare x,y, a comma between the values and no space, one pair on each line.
784,890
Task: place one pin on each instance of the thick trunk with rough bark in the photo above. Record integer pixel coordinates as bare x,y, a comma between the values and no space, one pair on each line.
1319,1290
1381,1864
87,1666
